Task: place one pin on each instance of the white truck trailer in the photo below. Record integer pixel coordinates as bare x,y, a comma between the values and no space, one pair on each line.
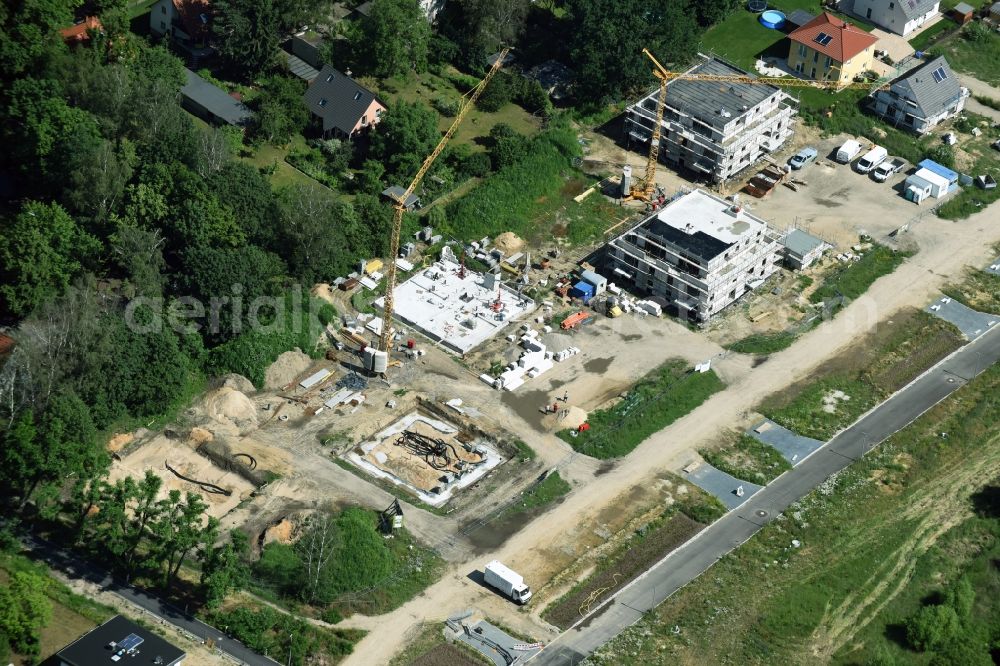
508,582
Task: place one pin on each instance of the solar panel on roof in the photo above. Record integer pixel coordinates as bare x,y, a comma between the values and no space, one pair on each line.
130,642
823,39
939,74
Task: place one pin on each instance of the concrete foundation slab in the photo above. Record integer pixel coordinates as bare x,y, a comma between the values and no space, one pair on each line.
381,458
792,446
723,486
457,311
971,323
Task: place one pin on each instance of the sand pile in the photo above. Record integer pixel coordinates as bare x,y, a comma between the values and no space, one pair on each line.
200,436
238,382
286,368
281,532
231,407
324,291
120,441
508,243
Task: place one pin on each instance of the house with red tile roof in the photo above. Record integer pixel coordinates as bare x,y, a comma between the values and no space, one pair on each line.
831,49
81,32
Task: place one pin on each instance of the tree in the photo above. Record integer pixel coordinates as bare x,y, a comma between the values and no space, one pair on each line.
180,530
369,179
497,94
24,610
29,33
225,568
393,39
280,111
196,215
711,12
243,188
39,254
128,510
280,566
321,235
248,32
407,133
603,38
507,146
932,626
961,596
480,27
316,548
140,254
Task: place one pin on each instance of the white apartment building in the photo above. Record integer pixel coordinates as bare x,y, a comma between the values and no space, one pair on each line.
713,128
700,252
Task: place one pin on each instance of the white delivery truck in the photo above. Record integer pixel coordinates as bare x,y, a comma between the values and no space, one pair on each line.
871,159
508,582
848,151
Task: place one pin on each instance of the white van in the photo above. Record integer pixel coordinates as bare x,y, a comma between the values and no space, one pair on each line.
871,159
848,151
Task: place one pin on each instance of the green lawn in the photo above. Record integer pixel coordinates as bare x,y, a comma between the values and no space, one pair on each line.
931,34
749,459
853,278
763,343
546,492
657,400
428,87
834,577
980,59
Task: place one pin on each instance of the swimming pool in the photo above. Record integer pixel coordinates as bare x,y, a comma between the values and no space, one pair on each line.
773,19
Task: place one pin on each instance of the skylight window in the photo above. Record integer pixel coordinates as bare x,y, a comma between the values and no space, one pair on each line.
357,96
823,39
939,74
323,102
329,77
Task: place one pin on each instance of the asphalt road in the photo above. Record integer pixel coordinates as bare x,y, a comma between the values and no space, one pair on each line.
732,530
74,566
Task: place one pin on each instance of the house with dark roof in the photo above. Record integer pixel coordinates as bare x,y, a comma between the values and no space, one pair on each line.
188,25
829,48
118,641
898,16
212,104
342,106
713,130
922,97
700,252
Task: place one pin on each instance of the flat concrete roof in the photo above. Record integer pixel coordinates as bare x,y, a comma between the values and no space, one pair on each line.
455,311
710,215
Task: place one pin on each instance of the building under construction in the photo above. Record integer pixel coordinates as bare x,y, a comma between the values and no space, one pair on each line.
457,307
699,252
713,128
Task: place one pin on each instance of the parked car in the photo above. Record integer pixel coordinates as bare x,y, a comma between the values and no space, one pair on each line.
871,159
887,169
802,158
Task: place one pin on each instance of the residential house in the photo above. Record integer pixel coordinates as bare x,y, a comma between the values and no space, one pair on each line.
831,49
82,31
897,16
187,23
212,104
342,106
700,252
714,129
922,97
119,640
995,11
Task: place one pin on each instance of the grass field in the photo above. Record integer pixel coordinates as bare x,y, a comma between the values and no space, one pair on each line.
72,614
431,648
845,387
979,290
854,278
747,458
546,492
977,157
980,59
657,400
763,343
874,543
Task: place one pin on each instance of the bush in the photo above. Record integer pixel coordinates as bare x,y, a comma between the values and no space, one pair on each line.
977,31
505,201
326,314
943,155
268,631
446,106
932,627
476,165
497,94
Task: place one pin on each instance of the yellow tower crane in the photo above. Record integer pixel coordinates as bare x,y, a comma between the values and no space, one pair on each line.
647,187
380,359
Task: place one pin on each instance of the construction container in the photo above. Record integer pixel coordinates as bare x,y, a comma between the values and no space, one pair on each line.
574,320
348,284
599,281
371,266
583,290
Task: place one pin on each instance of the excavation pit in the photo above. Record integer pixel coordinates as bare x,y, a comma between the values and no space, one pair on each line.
431,458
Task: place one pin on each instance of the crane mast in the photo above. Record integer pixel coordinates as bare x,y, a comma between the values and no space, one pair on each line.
645,190
399,207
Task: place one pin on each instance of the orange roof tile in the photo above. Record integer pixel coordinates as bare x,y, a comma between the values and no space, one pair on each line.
81,31
845,39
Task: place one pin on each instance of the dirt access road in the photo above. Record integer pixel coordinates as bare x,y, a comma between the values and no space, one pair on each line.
946,249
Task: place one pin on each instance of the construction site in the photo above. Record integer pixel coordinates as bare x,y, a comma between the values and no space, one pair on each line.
467,388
